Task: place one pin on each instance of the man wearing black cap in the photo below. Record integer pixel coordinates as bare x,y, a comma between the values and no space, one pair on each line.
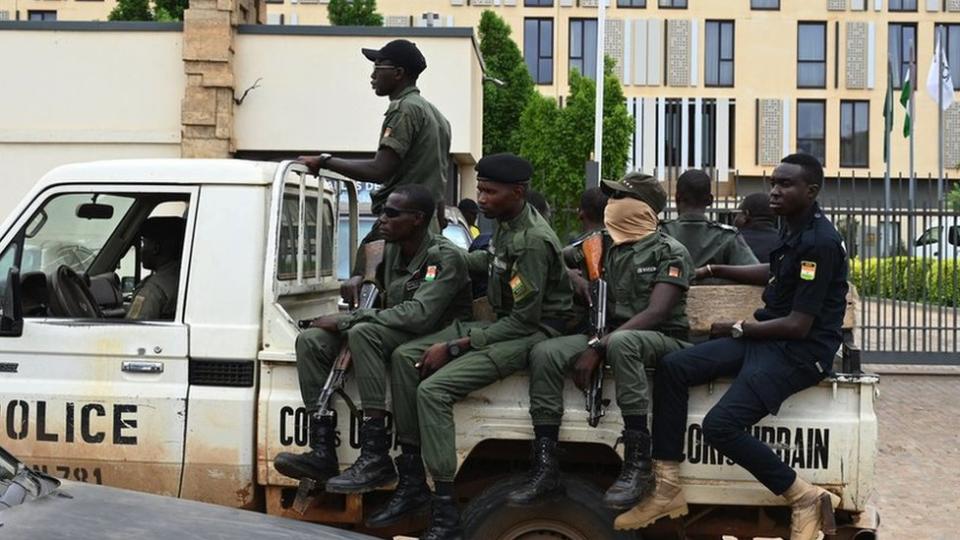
757,224
414,145
788,348
648,274
161,248
530,293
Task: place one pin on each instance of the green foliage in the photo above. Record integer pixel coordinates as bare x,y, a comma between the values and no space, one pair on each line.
354,13
558,142
169,10
953,198
914,279
502,106
131,10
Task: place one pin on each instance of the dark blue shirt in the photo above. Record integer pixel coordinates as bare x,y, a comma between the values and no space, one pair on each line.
762,239
808,273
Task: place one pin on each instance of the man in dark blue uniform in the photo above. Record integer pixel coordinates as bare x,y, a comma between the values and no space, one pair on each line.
788,348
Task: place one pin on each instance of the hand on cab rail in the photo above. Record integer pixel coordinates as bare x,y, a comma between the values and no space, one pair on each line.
350,290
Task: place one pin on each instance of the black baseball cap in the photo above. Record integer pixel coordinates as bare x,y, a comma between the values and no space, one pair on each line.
401,53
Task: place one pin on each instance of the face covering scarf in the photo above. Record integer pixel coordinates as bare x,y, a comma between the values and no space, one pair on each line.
629,220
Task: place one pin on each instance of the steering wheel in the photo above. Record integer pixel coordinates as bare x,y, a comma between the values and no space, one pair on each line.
71,297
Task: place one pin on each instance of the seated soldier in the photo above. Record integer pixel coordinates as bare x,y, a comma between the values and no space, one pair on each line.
708,242
647,274
757,224
161,249
425,287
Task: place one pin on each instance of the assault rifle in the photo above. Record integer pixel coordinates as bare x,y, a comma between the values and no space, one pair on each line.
369,294
592,247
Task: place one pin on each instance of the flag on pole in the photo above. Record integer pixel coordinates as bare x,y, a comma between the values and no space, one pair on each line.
888,113
940,74
905,96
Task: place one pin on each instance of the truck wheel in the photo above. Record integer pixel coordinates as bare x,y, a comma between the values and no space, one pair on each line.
576,516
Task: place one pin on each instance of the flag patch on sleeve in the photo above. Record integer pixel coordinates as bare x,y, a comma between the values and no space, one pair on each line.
431,273
387,132
808,270
674,272
518,287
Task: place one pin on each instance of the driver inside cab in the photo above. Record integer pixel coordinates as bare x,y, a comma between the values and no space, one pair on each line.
155,299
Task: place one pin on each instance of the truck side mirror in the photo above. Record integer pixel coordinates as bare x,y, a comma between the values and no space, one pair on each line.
11,309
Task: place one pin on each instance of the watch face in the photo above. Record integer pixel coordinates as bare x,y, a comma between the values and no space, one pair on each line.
454,350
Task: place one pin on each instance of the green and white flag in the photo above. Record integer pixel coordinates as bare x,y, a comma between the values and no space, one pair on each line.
906,94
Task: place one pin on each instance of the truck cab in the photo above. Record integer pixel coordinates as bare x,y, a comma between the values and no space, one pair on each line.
197,406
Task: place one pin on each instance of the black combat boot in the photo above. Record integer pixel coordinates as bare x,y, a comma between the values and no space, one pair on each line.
373,469
544,478
636,479
321,462
412,496
444,519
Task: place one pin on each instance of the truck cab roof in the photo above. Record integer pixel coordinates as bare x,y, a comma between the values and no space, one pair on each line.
165,171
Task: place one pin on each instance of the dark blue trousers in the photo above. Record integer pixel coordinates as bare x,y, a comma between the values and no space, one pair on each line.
765,375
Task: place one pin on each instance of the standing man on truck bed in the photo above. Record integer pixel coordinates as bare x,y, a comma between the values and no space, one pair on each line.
648,274
708,241
788,349
425,287
530,293
414,145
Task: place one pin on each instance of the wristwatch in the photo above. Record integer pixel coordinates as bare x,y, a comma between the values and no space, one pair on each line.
736,331
453,349
324,158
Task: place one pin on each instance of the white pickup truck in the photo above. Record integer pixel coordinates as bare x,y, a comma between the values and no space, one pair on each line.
198,406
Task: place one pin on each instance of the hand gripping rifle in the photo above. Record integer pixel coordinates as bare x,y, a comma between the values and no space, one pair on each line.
592,247
369,294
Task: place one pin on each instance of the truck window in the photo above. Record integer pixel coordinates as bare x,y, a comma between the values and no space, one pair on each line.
6,263
290,224
929,236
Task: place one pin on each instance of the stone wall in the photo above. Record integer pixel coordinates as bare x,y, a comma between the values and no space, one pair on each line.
207,109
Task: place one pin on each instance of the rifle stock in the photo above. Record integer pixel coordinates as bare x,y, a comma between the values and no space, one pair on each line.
369,294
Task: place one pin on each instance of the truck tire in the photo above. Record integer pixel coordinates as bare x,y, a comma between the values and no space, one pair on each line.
578,515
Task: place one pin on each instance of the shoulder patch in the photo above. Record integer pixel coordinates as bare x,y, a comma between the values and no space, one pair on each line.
519,287
387,132
674,271
431,273
808,270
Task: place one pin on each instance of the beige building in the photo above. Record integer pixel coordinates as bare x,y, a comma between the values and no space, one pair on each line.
730,85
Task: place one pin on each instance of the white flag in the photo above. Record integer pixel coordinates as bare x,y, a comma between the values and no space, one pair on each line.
940,75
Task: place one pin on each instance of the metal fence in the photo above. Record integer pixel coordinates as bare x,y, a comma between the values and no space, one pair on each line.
903,259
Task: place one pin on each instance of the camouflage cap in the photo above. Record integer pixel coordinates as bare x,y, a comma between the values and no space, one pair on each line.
639,186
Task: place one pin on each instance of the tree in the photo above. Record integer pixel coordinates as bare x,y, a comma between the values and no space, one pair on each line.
558,142
169,10
953,199
131,10
354,13
502,105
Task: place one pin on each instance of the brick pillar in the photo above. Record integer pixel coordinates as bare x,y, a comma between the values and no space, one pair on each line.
207,109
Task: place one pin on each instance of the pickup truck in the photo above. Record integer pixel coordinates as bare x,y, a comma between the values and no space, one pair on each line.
198,406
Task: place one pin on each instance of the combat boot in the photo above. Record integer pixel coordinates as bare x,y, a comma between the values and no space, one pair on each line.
812,511
544,478
373,468
444,520
665,501
321,462
412,496
636,475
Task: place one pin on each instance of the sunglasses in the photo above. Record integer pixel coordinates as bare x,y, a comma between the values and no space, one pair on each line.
392,212
384,66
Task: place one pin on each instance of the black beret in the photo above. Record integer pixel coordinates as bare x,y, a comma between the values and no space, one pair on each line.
505,168
401,53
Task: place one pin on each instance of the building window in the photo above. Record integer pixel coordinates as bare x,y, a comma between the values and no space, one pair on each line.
812,55
854,133
903,5
951,44
902,38
41,15
538,49
583,46
811,128
719,53
538,3
673,4
631,3
673,133
765,4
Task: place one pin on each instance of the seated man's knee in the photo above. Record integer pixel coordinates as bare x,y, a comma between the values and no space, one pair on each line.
718,427
431,396
364,330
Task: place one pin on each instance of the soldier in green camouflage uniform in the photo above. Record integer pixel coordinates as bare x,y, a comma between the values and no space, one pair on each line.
647,274
708,242
529,291
426,288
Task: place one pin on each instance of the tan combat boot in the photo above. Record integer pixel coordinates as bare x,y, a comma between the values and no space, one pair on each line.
665,501
812,511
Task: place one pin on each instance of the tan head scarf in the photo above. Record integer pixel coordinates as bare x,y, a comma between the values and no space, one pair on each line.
629,220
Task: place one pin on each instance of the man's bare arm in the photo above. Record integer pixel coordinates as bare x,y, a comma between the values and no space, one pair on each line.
754,274
379,169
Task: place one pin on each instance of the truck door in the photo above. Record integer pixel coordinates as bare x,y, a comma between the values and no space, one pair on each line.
96,398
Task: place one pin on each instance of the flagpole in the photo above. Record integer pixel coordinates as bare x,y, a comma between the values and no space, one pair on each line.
940,113
600,74
886,136
913,124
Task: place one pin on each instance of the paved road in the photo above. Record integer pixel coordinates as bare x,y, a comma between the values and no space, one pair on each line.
918,469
